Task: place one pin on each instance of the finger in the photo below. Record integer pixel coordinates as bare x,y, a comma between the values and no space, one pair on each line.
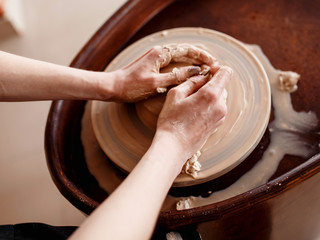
191,54
219,80
188,87
177,75
152,55
204,57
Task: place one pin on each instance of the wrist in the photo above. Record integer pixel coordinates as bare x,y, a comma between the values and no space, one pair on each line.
84,84
105,85
171,149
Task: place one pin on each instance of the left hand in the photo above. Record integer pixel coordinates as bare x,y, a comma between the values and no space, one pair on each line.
142,78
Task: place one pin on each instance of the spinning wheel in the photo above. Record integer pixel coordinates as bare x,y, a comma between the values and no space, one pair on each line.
125,131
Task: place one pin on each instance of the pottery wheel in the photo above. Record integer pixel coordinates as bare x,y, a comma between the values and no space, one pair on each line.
125,131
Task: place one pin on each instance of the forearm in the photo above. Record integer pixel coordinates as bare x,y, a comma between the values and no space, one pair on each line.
23,79
132,210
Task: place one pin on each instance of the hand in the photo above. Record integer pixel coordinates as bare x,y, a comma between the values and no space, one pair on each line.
193,110
142,78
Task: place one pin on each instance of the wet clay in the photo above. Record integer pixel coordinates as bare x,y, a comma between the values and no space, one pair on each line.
286,133
125,131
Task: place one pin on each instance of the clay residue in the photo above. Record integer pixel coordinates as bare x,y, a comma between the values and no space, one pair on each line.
161,89
288,81
286,137
186,53
184,204
173,236
192,166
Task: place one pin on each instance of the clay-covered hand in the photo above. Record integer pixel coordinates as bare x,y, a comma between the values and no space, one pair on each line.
142,77
194,109
188,53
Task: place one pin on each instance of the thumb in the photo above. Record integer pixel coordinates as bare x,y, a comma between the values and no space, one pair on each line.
177,75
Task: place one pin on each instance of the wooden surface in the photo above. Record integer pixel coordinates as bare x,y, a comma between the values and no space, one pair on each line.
289,33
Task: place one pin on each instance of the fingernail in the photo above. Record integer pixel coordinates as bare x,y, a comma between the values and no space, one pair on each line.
192,71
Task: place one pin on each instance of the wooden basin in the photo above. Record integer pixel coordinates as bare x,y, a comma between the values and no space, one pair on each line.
288,206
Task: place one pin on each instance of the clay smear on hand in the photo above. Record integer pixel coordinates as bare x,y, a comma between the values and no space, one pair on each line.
188,54
194,56
287,132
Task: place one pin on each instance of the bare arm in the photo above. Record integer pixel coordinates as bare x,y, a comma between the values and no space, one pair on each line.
195,103
24,79
132,210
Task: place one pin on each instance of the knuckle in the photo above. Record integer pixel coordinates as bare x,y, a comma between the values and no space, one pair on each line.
156,49
211,95
153,84
221,111
175,92
172,92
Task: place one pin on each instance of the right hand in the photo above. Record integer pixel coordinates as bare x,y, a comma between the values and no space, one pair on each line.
194,109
